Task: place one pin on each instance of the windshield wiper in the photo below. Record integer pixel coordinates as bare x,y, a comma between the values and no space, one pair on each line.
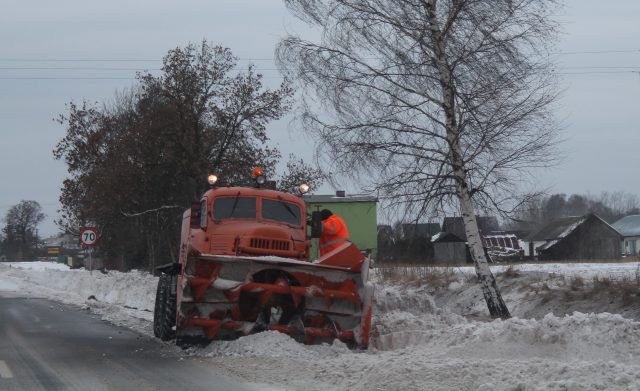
291,212
235,203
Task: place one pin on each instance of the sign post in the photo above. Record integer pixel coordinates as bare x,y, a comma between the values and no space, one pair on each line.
88,238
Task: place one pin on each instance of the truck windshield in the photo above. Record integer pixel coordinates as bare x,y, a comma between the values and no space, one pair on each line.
234,208
279,210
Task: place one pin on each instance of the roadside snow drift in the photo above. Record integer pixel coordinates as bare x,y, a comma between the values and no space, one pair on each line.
421,340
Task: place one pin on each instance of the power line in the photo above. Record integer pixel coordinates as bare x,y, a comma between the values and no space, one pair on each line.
239,69
107,59
109,69
80,69
64,78
596,72
76,60
610,72
598,67
11,59
597,52
88,78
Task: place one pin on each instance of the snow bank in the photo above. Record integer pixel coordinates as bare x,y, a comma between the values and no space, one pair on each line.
134,289
125,299
39,265
418,341
584,270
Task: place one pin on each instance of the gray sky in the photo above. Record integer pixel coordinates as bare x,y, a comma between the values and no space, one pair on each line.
601,105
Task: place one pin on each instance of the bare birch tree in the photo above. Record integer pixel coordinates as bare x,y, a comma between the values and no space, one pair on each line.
440,103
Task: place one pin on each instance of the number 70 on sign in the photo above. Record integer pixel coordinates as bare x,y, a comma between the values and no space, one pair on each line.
88,236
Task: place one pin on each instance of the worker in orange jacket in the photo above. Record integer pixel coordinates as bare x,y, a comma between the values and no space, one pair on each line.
334,232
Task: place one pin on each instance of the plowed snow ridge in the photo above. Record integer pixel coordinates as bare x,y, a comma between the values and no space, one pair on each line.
417,344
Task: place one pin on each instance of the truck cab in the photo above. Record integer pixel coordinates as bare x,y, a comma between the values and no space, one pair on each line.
249,221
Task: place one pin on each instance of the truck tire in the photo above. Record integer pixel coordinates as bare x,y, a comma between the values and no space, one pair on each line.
164,314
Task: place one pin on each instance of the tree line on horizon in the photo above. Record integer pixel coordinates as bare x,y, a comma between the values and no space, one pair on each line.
610,206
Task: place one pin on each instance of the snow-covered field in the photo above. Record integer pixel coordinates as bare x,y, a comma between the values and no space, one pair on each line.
569,331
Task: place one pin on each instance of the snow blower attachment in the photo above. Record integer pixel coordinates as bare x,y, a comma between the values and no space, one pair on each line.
244,268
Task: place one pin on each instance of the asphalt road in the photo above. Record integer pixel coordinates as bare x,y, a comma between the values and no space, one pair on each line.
46,345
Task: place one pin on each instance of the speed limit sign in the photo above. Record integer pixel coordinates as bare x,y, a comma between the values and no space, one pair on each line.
88,236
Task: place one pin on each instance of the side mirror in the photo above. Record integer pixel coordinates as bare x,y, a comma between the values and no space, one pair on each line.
195,215
316,224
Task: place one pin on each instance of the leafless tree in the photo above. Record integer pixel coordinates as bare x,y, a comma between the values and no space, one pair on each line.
440,103
21,227
298,172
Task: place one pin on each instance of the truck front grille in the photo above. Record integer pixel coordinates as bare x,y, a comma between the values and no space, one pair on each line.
269,244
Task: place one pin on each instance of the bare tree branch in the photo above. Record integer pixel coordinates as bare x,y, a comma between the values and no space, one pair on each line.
155,210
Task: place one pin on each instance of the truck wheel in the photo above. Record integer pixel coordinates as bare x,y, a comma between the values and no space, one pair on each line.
164,315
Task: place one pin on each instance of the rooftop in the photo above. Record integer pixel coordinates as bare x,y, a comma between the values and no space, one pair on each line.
558,229
628,225
335,198
455,225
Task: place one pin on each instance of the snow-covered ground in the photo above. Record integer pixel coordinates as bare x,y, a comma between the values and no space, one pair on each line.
569,331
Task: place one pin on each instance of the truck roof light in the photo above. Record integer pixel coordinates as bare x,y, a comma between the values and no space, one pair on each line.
304,188
212,179
257,171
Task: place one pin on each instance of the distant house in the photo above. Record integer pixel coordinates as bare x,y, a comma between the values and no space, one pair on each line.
420,230
68,241
450,246
449,249
629,229
455,225
576,237
62,247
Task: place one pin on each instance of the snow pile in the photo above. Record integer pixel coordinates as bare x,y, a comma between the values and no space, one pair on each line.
579,337
272,344
39,265
134,289
419,339
125,299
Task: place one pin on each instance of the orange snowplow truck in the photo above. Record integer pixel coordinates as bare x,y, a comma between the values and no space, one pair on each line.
244,268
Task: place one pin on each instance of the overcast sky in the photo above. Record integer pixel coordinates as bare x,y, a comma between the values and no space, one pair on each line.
102,44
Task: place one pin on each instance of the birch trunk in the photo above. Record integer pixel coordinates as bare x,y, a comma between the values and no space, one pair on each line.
490,291
497,307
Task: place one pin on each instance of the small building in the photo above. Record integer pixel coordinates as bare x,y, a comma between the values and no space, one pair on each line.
629,229
420,230
455,225
449,249
65,240
359,213
62,247
575,238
